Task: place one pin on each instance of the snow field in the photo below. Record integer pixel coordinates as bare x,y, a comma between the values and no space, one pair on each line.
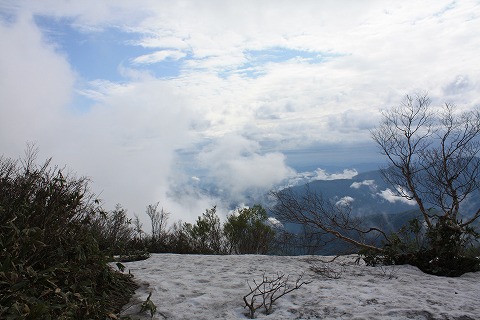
212,287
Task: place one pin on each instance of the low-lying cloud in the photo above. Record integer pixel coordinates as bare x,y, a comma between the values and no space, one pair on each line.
393,197
369,183
238,167
322,174
345,201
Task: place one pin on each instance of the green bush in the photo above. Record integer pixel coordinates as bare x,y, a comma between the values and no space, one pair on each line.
117,236
178,240
205,236
246,231
441,250
50,264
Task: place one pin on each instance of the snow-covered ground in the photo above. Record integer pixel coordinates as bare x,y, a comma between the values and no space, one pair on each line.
212,287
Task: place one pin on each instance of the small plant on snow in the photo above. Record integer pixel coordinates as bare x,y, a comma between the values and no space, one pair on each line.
390,271
148,305
323,267
270,289
327,271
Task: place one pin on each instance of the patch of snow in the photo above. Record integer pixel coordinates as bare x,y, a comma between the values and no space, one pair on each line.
212,287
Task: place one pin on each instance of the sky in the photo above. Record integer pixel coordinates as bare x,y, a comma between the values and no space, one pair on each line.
199,103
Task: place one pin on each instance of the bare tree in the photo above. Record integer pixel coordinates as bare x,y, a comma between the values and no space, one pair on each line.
331,220
138,227
406,130
433,160
158,220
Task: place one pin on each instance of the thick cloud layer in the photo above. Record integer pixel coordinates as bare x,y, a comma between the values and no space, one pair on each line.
201,103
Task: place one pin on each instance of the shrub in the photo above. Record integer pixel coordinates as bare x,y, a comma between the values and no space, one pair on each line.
246,231
205,236
269,290
113,231
50,264
440,250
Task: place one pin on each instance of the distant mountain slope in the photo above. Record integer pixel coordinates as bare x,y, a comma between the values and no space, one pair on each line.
372,200
367,194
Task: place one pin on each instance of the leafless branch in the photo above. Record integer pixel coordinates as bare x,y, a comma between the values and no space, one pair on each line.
325,270
433,157
312,210
269,290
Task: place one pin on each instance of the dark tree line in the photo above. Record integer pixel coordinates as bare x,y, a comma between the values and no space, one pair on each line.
246,231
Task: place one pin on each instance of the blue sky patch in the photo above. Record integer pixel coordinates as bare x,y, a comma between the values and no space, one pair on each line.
279,54
168,68
99,54
6,16
258,58
94,55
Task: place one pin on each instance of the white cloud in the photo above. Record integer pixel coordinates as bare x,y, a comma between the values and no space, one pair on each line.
353,121
321,174
274,222
36,85
128,142
235,164
159,56
368,183
159,40
345,201
300,178
393,197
